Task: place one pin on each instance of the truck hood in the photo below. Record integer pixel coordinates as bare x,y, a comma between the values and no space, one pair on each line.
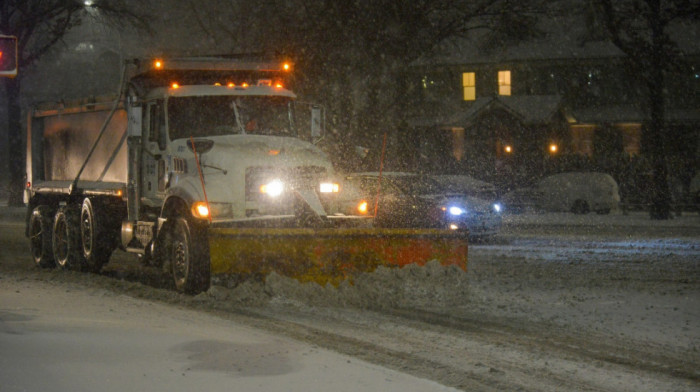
236,152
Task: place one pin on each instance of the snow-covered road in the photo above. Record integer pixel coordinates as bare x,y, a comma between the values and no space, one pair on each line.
58,338
557,302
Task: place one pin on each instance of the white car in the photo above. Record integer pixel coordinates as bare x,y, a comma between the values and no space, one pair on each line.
577,192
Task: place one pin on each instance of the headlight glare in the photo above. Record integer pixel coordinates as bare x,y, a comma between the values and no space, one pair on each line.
200,210
329,187
362,207
273,188
456,211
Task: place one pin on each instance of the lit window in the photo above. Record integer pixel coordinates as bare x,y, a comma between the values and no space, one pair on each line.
503,82
469,86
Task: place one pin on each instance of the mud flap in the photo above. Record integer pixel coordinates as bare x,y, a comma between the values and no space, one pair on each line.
329,255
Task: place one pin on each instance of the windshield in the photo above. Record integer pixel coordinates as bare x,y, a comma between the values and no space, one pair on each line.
416,185
227,115
408,185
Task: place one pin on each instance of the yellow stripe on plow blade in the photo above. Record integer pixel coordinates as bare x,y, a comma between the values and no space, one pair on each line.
329,255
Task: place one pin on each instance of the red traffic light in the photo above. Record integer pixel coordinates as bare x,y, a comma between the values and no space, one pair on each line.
8,56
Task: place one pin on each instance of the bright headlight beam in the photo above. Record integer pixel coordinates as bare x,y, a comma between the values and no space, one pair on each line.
454,210
329,187
273,188
497,207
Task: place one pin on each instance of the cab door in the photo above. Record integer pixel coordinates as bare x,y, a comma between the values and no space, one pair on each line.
154,164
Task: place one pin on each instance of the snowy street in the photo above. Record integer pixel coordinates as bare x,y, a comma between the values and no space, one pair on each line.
556,302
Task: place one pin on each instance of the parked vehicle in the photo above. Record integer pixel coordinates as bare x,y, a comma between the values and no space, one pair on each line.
417,201
577,192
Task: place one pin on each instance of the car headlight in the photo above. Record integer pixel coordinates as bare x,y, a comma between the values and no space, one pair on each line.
497,207
456,211
273,188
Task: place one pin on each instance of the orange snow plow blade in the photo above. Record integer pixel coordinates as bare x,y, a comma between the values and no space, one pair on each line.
329,255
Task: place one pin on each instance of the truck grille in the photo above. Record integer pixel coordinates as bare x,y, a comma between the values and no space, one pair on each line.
304,177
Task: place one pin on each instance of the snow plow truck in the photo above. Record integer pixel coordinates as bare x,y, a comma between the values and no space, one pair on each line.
197,166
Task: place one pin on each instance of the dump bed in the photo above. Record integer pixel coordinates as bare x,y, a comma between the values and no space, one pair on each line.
60,140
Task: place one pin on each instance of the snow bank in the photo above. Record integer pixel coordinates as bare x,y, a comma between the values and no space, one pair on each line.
637,218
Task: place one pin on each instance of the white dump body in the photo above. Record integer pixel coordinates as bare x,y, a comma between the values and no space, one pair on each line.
60,141
68,140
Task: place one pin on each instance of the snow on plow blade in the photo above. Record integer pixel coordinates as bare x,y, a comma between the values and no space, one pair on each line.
329,255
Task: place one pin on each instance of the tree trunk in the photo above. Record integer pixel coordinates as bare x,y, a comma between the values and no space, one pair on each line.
660,192
15,156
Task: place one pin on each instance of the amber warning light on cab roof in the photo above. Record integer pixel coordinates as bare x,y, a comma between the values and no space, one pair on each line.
159,64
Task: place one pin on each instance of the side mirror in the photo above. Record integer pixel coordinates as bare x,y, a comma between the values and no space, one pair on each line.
134,126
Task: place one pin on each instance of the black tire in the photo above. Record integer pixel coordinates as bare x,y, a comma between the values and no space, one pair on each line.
66,239
41,236
96,239
580,207
187,253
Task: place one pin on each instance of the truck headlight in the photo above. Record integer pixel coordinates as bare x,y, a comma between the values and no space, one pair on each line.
329,187
273,188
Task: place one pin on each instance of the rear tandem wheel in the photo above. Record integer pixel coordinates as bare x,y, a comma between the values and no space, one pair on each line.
40,236
66,239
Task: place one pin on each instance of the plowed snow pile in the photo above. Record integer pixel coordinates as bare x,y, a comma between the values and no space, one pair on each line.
408,287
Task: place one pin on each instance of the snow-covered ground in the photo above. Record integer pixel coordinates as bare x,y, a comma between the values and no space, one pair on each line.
616,218
556,302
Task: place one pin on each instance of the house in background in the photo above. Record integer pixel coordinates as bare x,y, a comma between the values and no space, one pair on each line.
491,110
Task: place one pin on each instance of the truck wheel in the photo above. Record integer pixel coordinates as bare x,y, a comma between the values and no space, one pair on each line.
40,234
187,251
66,239
96,240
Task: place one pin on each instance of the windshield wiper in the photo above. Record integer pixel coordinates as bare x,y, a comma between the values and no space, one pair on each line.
238,118
217,168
